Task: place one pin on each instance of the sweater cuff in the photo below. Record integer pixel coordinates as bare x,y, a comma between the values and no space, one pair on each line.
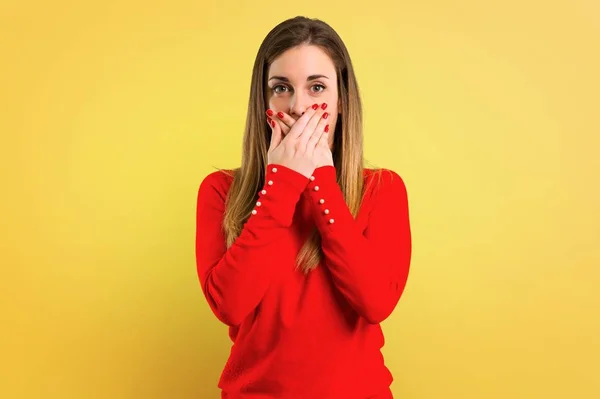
279,195
329,208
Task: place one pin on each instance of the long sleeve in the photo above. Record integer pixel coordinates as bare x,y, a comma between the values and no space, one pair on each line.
235,279
370,269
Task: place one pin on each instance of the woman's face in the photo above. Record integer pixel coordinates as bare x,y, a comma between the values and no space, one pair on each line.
300,77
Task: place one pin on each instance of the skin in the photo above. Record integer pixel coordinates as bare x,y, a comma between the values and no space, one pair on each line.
297,79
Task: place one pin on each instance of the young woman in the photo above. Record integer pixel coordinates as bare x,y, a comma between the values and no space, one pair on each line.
301,250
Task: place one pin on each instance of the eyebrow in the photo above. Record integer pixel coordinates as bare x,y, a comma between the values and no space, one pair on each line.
311,77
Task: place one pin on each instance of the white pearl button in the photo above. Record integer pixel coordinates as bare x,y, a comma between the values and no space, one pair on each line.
254,211
321,201
270,183
312,178
258,203
330,221
263,192
316,188
326,211
274,170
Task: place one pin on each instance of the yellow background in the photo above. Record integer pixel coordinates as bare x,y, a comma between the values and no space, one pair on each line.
113,112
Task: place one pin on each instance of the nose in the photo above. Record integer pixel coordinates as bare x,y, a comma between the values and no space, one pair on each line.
299,103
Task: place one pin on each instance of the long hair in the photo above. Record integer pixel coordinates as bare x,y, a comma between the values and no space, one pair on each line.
248,179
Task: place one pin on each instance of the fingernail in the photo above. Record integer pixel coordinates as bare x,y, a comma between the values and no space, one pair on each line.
327,129
270,112
280,115
269,120
325,115
315,106
272,123
323,106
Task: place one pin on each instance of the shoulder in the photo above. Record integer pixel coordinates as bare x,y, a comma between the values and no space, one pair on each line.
383,182
217,183
378,177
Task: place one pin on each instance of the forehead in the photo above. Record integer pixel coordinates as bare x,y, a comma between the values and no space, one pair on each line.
302,61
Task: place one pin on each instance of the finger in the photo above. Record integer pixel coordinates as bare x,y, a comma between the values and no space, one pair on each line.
285,129
312,125
286,121
275,134
316,138
324,139
301,123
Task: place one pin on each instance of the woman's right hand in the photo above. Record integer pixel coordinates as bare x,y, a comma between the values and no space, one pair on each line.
297,149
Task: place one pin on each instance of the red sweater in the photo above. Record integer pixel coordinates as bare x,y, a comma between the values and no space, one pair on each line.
314,336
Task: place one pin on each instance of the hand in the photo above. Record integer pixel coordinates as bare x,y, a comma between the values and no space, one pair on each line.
323,153
303,147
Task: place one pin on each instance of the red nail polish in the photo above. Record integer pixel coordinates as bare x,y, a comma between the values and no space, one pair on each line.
269,120
325,115
280,115
270,112
323,106
315,106
327,129
272,123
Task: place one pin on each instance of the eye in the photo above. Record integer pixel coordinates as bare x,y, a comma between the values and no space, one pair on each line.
278,89
319,85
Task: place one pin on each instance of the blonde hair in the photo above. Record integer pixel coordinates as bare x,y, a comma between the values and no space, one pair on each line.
248,179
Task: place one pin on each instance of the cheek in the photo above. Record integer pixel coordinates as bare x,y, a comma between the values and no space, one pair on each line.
335,119
278,103
333,110
333,115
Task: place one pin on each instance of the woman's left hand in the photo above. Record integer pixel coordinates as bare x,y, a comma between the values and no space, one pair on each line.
324,152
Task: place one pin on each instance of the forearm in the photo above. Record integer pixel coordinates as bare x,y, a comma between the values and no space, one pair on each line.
370,268
235,279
